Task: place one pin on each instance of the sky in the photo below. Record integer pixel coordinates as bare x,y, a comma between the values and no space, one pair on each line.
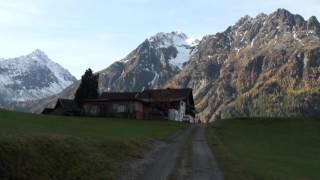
79,34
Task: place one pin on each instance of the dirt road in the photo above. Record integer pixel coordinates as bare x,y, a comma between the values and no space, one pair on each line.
186,156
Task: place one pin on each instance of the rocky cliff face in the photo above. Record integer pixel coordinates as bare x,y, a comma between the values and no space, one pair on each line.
262,66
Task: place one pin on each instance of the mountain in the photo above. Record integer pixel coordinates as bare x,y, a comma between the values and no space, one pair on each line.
265,66
31,77
150,65
268,66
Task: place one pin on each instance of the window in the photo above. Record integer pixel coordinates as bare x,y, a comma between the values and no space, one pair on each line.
119,108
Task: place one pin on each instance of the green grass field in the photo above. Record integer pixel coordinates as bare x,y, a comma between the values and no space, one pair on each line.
267,148
52,147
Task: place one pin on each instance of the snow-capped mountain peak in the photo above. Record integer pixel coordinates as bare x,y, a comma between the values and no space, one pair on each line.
180,41
164,40
38,54
30,77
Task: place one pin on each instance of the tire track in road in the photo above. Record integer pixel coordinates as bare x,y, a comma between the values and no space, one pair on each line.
187,156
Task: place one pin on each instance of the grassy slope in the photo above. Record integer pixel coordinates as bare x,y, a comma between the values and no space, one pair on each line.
267,148
50,147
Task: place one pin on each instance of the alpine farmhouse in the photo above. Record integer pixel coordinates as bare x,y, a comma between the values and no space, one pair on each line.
170,104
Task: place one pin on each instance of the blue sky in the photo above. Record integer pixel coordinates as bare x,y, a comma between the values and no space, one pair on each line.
94,33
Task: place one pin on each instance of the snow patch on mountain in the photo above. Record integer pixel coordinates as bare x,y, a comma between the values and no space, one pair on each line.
154,80
180,41
183,55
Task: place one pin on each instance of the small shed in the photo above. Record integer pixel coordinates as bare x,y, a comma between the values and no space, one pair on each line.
65,107
47,111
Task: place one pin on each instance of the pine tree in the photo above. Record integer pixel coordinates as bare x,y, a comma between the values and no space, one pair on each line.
88,88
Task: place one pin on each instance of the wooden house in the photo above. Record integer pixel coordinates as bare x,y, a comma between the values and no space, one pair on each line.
173,104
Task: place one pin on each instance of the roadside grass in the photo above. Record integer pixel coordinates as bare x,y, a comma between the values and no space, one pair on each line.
53,147
265,148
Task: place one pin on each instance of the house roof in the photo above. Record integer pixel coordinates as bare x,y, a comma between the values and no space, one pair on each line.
157,95
118,95
67,104
161,95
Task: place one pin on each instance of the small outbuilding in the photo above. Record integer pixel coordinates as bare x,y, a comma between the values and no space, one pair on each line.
66,107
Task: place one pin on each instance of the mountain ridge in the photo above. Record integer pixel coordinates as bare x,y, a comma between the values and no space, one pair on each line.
232,70
266,65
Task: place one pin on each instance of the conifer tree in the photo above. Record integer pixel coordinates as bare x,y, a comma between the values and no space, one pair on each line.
89,85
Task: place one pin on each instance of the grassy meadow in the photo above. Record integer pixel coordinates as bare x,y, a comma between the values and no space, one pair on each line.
267,148
52,147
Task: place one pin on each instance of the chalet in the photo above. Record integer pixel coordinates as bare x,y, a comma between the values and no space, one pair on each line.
172,104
